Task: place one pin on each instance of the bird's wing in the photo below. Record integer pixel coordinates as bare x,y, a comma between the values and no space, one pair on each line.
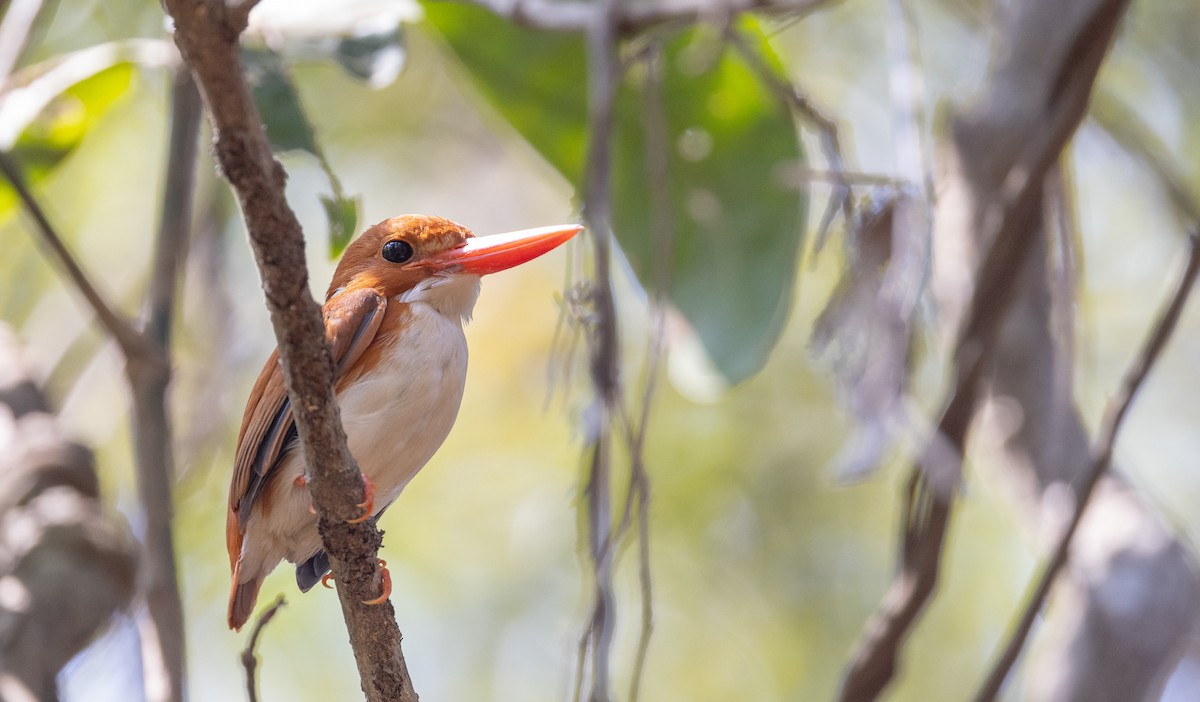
268,431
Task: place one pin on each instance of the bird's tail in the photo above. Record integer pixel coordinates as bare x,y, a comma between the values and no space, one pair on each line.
242,597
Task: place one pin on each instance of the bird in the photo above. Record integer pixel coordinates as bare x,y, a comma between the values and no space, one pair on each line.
394,315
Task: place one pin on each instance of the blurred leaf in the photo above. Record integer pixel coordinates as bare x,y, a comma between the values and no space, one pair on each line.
62,125
278,102
376,58
342,214
288,129
737,228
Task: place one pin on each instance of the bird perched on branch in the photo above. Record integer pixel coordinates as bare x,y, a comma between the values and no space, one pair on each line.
394,318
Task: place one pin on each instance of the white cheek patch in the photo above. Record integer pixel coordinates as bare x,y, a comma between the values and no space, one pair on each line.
452,295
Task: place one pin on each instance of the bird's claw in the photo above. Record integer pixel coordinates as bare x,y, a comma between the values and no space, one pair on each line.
368,503
301,481
385,579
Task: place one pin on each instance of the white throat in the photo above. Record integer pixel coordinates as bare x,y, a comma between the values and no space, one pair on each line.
453,295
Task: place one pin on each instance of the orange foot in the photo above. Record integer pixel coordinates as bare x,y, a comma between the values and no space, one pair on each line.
368,503
386,580
301,481
384,576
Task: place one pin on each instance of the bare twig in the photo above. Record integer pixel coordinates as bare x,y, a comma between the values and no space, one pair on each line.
120,328
1102,452
925,517
149,380
654,121
604,78
840,200
802,176
249,657
207,35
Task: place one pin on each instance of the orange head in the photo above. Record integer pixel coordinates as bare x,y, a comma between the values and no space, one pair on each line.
399,254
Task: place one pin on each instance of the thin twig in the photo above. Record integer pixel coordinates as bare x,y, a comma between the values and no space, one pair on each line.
249,658
604,78
116,325
654,121
1102,452
827,131
802,176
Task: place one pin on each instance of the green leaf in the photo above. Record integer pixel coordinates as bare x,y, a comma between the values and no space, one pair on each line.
278,103
62,125
737,228
288,129
342,214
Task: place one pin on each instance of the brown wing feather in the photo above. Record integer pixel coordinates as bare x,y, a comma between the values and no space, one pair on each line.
352,319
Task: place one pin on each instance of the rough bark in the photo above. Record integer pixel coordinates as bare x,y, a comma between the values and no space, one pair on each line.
207,35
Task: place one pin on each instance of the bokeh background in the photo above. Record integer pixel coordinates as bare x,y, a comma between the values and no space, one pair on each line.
765,564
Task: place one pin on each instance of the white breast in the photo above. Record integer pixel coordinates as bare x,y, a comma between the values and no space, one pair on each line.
396,417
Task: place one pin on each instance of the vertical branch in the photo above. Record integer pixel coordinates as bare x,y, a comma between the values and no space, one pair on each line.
654,122
207,34
604,72
149,377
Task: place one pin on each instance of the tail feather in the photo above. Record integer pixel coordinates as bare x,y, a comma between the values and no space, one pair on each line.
242,597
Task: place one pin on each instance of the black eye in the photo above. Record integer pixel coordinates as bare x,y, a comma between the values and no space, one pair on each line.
397,251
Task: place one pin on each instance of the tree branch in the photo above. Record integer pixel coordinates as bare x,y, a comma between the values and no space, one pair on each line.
1102,457
117,326
149,380
827,131
604,71
147,367
249,657
999,161
207,35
